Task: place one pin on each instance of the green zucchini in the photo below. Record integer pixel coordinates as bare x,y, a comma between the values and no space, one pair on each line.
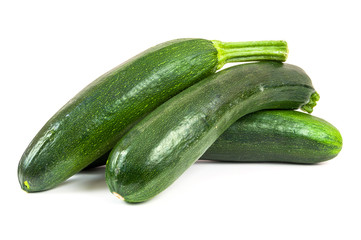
158,149
277,136
272,136
92,122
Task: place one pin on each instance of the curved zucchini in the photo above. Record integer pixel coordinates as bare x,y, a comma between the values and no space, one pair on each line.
277,136
157,150
92,122
272,136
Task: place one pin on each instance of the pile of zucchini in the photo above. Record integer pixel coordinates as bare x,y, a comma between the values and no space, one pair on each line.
150,118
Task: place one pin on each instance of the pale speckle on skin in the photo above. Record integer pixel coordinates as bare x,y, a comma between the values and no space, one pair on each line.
261,88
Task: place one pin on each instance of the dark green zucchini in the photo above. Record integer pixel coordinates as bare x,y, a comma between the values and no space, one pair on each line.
272,136
277,136
157,150
92,122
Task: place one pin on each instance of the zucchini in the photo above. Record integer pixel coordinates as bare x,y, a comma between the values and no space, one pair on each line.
277,136
158,149
272,136
93,121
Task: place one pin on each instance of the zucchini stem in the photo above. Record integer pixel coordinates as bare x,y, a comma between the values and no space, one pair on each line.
250,51
308,107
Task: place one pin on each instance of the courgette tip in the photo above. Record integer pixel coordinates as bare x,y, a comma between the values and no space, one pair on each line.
308,107
26,184
118,195
229,52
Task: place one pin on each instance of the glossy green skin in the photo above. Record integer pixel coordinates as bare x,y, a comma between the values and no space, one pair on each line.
156,151
277,136
92,122
272,136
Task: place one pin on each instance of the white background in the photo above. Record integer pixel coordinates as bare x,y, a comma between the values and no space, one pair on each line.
51,49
